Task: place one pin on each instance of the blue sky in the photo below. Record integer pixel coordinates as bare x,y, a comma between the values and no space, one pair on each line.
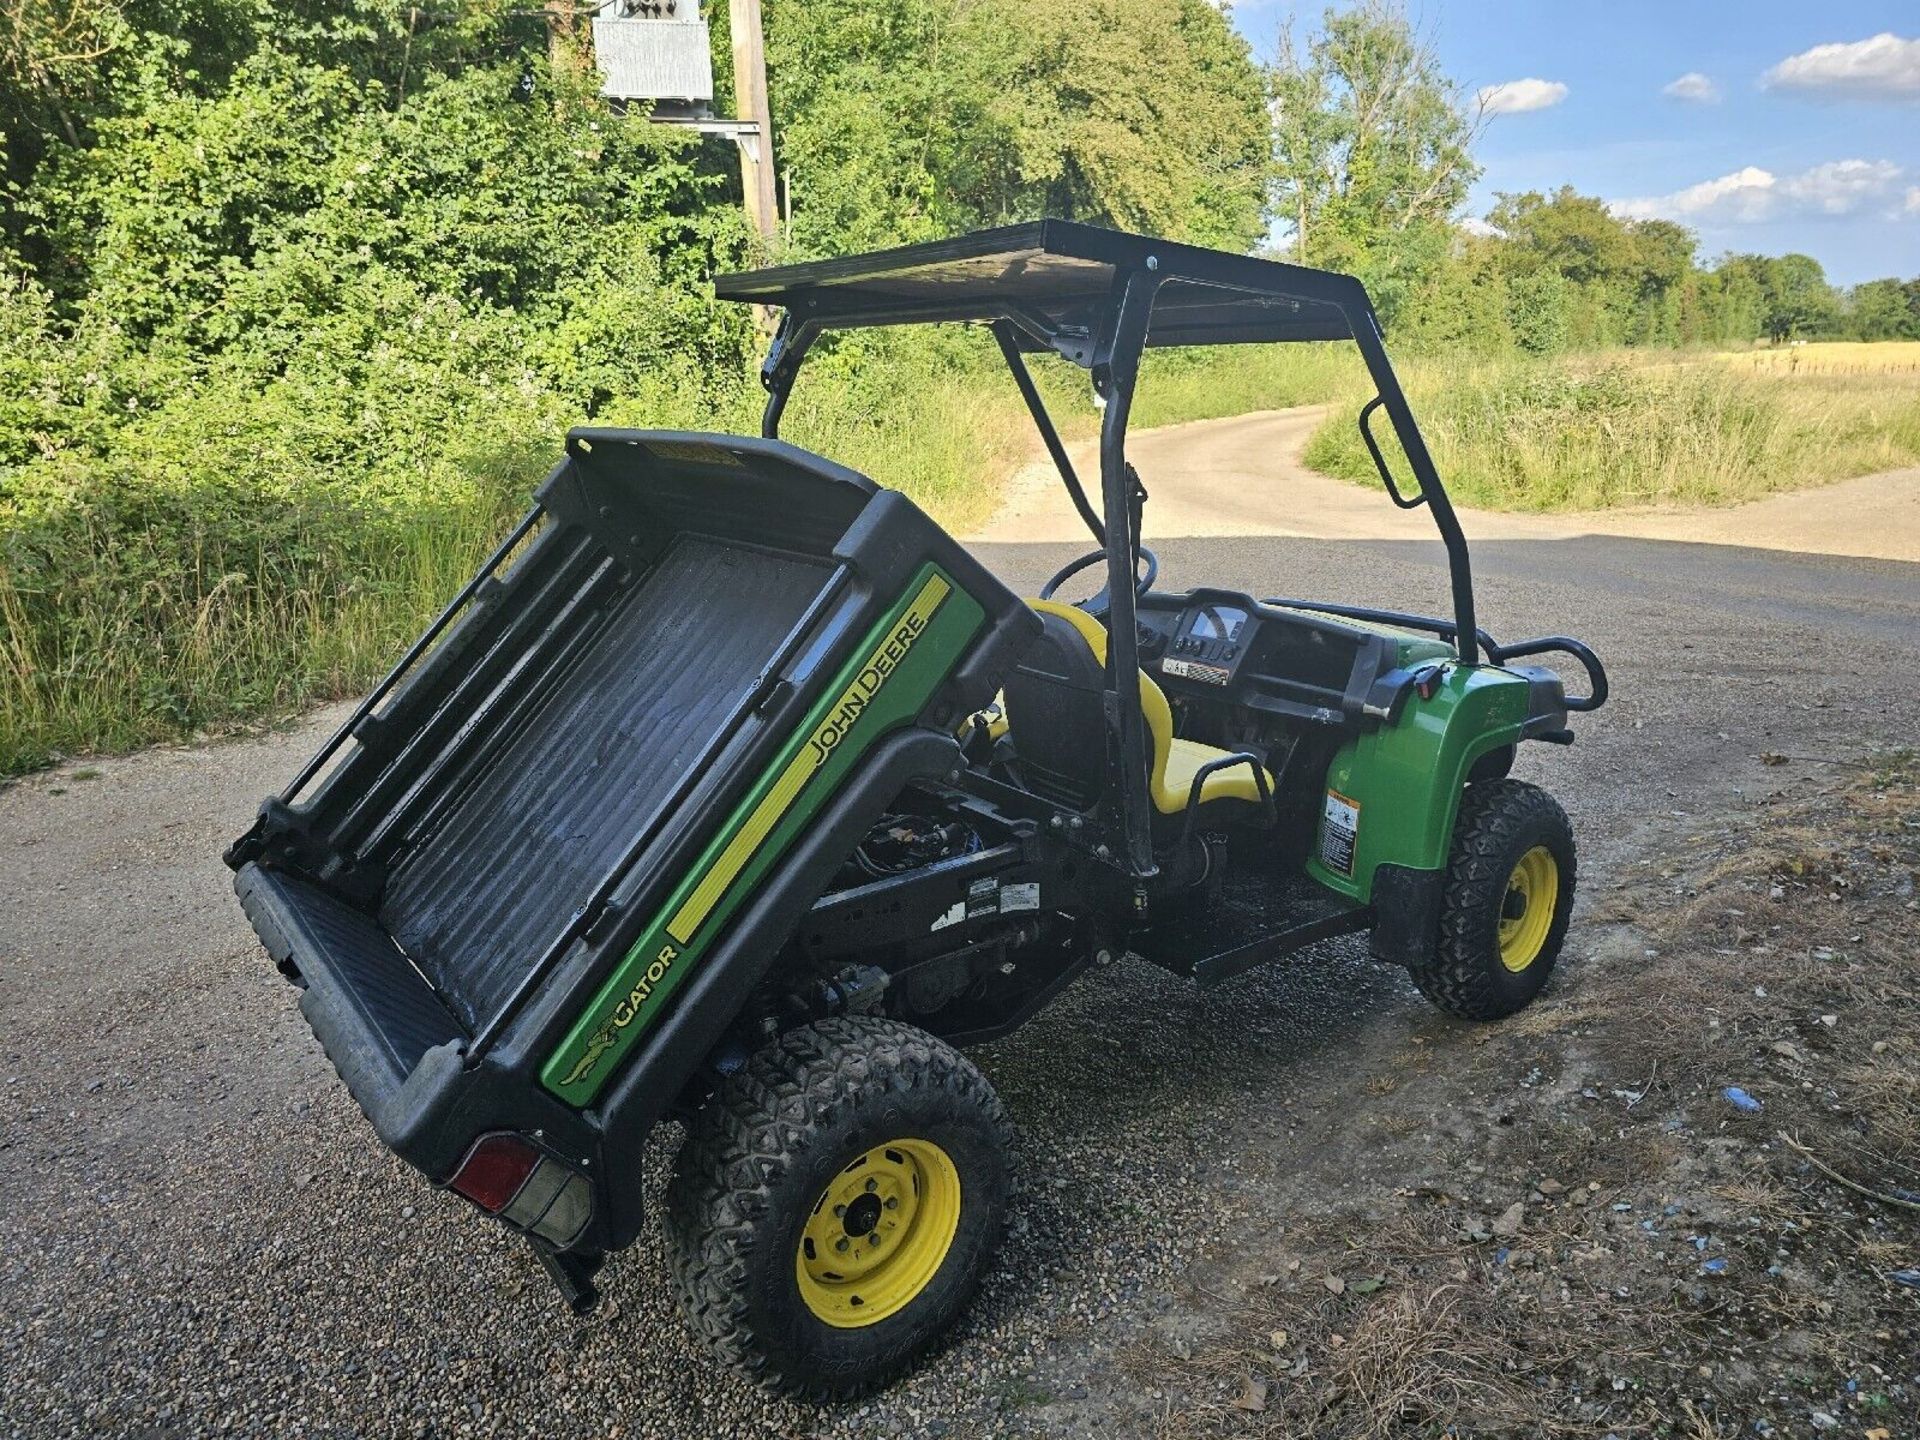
1797,129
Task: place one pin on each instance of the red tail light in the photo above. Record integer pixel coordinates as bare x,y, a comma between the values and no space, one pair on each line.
494,1170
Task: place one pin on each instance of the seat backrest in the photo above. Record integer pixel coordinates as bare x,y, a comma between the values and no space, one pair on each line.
1056,717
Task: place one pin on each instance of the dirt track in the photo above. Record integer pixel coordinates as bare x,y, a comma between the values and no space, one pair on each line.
1244,477
204,1235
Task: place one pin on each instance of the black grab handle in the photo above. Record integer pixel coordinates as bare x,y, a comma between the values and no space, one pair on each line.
1228,762
1590,662
1380,460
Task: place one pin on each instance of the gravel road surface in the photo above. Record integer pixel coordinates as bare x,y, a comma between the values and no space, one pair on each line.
205,1238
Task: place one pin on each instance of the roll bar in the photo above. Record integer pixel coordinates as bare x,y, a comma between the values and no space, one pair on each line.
1222,299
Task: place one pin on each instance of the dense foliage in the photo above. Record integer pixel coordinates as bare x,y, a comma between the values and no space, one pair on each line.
295,298
1564,272
296,295
907,120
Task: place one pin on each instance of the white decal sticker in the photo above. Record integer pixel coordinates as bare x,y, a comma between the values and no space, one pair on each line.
1339,830
1189,670
983,898
1020,897
952,915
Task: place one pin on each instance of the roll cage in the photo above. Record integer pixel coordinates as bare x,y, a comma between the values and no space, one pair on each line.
1098,299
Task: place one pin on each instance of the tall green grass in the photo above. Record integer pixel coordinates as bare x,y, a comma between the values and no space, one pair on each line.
1597,432
1223,380
242,564
128,617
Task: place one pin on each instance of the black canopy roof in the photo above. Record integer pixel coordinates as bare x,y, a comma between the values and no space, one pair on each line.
1054,275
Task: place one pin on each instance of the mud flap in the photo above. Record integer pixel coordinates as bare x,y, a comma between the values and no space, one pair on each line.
1406,904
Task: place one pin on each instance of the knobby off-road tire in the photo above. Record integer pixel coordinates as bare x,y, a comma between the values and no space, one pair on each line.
796,1154
1509,892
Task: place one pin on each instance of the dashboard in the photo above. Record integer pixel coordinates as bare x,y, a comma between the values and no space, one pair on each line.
1226,647
1206,643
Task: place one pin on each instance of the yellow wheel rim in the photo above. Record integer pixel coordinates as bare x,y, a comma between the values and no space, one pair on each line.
1533,890
878,1233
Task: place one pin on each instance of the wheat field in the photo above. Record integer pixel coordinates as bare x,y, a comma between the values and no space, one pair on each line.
1829,357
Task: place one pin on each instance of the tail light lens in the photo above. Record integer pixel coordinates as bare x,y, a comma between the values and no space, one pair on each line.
508,1176
494,1170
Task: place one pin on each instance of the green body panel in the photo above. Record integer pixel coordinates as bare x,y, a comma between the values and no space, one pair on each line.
1400,785
893,674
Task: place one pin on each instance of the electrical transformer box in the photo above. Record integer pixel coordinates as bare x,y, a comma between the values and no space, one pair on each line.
655,50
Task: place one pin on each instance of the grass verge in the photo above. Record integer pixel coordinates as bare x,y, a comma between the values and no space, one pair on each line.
255,571
1597,1239
1596,432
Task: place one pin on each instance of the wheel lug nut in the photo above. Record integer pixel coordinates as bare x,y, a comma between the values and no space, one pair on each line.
839,1212
872,1185
841,1243
893,1202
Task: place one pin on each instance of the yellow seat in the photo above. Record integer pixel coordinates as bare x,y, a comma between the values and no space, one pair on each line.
1173,762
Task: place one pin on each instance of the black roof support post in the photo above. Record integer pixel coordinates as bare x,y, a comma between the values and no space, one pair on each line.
1116,368
782,367
1051,284
1366,334
1043,422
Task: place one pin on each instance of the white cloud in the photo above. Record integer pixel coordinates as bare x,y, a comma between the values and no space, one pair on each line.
1693,86
1912,207
1748,195
1746,191
1516,96
1843,186
1883,68
1474,225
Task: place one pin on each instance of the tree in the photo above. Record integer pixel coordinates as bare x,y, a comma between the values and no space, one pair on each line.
1372,146
1733,302
1140,113
1883,310
1575,235
1799,300
906,119
1795,299
1662,265
1629,278
879,127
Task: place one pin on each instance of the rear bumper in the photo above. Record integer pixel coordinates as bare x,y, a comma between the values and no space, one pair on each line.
403,1054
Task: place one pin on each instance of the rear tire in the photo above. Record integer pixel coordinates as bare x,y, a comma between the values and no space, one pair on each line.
1508,896
834,1204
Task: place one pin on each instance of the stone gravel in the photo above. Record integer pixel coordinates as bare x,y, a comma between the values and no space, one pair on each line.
204,1237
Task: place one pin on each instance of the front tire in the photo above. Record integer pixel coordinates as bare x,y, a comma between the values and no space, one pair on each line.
834,1204
1508,897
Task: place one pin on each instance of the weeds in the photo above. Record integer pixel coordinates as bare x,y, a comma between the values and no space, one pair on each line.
258,557
1596,432
247,568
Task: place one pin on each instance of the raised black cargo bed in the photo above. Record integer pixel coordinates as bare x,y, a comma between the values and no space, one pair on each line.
597,762
460,877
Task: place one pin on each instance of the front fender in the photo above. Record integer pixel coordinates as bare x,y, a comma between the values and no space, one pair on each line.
1391,794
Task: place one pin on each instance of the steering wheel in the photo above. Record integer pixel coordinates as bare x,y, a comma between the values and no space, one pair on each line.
1097,604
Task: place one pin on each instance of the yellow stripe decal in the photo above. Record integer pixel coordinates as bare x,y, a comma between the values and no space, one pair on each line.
802,768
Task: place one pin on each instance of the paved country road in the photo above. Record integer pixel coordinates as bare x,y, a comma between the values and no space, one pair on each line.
204,1237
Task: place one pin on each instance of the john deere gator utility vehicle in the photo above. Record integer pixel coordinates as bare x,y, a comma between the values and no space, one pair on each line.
734,791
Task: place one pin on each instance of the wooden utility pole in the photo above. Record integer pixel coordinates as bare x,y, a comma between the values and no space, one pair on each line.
750,98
